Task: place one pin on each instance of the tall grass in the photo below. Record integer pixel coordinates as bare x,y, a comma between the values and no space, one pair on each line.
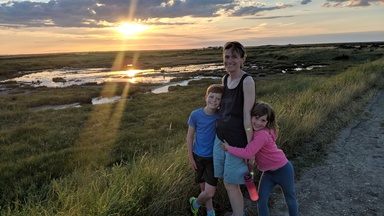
320,106
141,165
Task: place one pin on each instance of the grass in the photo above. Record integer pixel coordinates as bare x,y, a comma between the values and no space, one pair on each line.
129,158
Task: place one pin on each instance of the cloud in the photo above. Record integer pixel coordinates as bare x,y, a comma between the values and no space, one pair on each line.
352,3
101,13
105,13
271,17
304,2
255,9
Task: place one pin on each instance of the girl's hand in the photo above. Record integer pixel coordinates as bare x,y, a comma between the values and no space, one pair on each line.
251,161
224,145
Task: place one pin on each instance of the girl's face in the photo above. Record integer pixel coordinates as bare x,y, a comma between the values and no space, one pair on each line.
259,122
232,60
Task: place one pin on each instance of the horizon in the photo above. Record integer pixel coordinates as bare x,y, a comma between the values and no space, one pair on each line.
207,47
63,26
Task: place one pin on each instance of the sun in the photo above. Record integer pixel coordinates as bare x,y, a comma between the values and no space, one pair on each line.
129,29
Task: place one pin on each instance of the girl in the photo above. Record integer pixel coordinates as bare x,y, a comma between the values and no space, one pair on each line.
271,160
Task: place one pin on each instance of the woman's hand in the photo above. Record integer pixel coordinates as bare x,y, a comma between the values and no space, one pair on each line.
224,145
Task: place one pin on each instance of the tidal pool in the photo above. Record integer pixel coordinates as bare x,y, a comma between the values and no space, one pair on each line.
164,89
71,76
74,76
95,101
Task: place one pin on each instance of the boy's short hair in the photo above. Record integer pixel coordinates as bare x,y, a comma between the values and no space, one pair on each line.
215,88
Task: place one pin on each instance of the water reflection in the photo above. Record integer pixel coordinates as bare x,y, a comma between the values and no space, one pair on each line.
164,89
95,101
103,100
55,107
311,67
69,77
303,68
72,76
190,68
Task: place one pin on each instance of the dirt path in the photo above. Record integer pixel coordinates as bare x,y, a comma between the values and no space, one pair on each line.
351,180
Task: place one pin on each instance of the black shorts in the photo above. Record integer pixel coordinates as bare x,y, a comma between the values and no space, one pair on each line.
204,172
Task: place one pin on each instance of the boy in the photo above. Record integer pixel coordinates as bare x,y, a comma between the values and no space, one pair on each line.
200,138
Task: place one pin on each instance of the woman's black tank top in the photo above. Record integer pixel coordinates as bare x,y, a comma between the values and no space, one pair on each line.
230,125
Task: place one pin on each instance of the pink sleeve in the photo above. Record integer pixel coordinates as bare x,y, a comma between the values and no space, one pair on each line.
259,140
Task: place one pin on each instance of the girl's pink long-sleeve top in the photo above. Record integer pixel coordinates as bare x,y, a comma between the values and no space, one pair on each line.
267,155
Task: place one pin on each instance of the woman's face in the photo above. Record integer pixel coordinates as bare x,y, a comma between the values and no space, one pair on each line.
232,60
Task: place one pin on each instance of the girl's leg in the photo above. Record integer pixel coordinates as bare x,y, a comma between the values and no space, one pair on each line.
235,198
286,180
266,186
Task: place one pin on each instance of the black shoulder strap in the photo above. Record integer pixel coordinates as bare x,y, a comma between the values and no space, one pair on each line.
243,77
225,80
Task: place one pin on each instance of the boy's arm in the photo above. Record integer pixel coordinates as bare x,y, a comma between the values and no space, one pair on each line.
190,138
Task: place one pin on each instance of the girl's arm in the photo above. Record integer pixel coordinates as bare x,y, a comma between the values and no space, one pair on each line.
250,150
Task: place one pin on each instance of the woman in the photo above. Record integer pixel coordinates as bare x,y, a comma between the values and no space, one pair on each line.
234,123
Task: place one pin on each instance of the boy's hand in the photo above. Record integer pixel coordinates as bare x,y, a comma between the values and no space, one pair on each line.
224,145
192,164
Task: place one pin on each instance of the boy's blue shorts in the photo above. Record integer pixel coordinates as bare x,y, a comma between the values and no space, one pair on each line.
228,167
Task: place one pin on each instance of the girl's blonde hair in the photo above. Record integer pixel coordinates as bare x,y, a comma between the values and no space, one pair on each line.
262,108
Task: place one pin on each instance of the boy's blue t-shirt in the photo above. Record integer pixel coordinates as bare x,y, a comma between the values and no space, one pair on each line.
205,132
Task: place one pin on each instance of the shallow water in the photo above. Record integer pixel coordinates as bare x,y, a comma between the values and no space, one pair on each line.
95,101
103,100
311,67
55,107
164,89
72,76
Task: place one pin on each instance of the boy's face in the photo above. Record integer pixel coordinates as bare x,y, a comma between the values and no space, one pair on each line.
212,100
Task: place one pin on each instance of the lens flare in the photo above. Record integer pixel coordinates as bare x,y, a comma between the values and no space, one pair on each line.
129,29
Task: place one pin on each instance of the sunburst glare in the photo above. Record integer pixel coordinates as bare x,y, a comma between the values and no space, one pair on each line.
130,29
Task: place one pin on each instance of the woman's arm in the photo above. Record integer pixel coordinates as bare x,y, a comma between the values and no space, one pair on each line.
249,101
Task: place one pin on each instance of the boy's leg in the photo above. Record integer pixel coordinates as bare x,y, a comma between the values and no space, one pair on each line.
208,187
205,197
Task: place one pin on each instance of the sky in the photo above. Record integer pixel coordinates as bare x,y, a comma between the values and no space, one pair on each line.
56,26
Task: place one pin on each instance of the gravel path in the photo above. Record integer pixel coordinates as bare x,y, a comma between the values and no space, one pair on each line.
351,180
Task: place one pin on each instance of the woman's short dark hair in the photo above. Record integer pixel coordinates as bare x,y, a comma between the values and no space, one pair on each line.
237,47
